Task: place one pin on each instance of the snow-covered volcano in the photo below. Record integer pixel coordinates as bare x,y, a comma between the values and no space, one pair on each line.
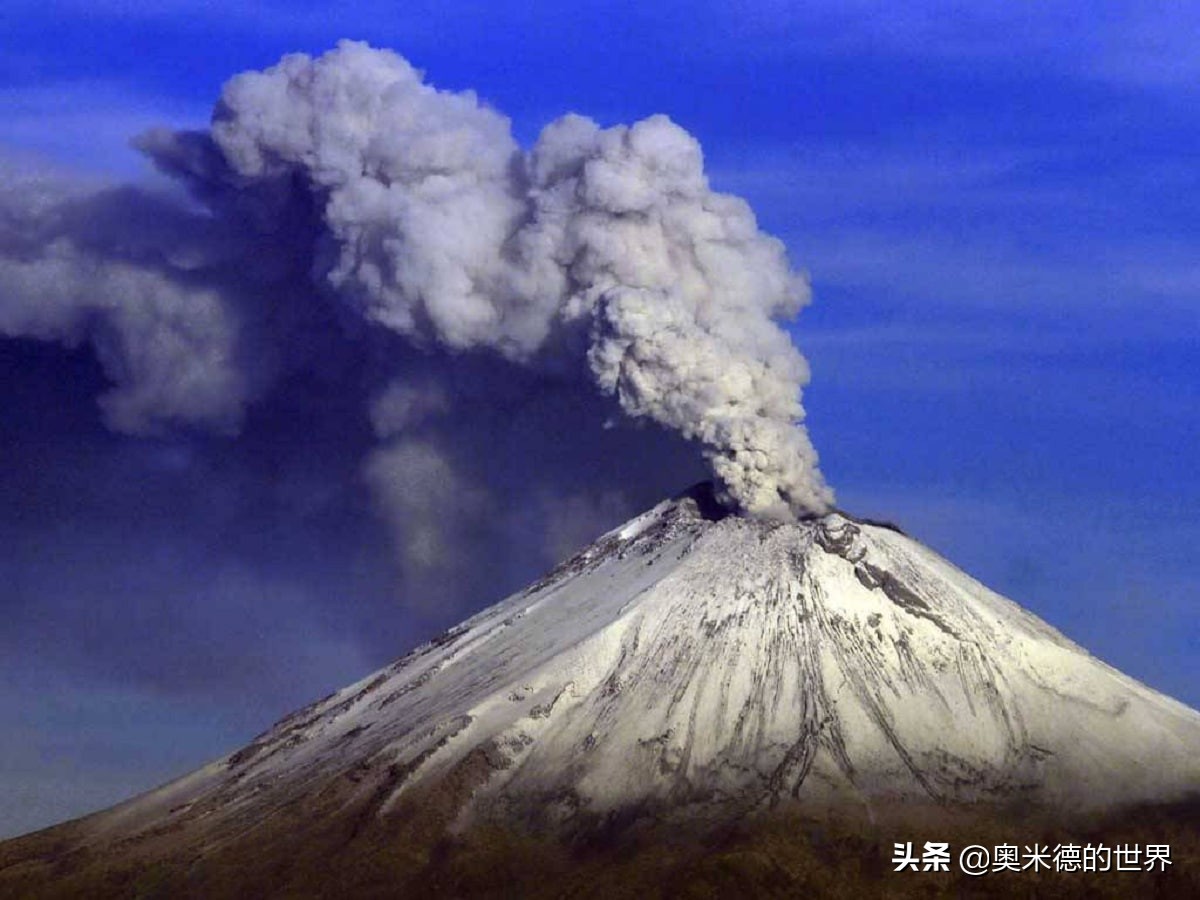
690,667
691,663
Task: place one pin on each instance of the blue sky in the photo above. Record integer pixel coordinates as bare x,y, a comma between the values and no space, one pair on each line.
996,205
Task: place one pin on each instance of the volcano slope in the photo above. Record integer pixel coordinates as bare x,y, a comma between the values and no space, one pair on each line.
694,703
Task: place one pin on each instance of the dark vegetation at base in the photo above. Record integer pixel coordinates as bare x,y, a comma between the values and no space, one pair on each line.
313,849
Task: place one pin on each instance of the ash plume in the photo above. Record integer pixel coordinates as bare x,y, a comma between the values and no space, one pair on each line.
492,312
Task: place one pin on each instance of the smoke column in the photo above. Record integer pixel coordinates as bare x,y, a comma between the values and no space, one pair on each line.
341,216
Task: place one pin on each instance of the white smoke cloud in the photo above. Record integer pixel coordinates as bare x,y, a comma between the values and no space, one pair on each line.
432,509
169,346
682,292
443,230
402,406
343,194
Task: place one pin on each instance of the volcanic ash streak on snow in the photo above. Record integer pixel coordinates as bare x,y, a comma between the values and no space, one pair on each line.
599,251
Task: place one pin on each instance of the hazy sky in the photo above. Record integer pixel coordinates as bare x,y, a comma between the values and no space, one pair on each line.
997,210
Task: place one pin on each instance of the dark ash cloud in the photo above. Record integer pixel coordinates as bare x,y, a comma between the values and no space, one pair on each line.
362,302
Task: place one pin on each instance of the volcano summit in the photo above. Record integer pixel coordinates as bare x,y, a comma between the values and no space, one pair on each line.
689,667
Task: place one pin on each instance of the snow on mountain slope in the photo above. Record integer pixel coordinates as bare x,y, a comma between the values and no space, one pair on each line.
693,662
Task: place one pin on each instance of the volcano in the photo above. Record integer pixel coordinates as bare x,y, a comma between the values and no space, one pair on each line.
688,670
